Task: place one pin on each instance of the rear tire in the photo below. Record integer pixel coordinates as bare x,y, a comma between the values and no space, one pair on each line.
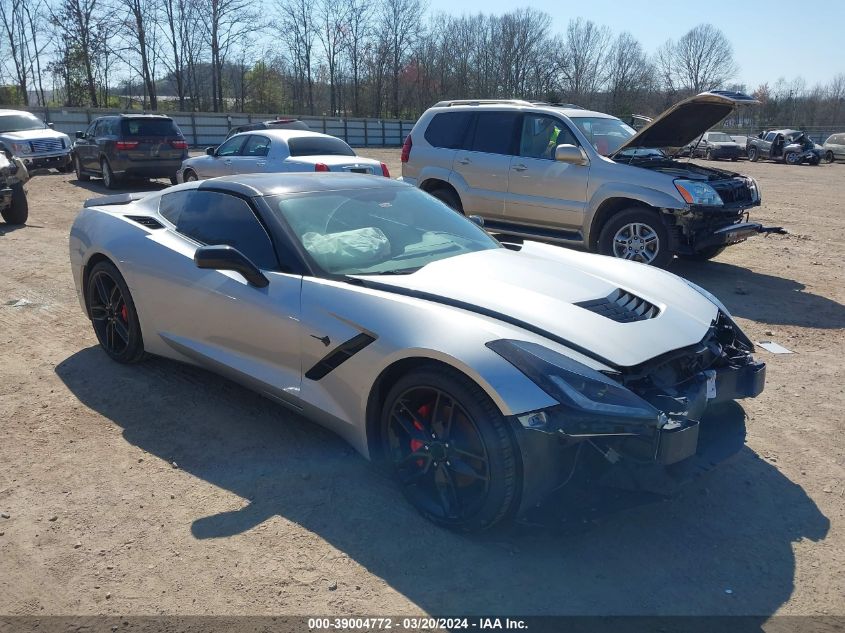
435,415
791,158
753,154
18,211
828,157
109,179
636,234
449,197
173,180
113,315
80,175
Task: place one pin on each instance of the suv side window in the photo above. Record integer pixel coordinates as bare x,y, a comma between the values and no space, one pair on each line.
256,146
90,131
449,130
770,136
212,217
495,132
541,134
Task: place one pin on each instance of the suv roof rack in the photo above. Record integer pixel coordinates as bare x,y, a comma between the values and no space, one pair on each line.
457,102
571,106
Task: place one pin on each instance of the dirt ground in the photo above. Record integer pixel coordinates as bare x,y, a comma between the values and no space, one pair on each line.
162,489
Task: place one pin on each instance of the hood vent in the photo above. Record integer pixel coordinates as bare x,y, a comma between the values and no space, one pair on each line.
622,307
145,220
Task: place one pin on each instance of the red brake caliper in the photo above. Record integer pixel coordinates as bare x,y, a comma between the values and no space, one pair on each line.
124,313
416,445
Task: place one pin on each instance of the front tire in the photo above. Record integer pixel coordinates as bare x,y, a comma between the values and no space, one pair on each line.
80,175
636,234
450,449
190,176
828,157
449,197
753,154
18,211
708,155
792,158
113,315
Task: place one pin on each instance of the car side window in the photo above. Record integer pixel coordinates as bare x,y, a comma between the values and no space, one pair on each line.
231,147
770,136
213,217
100,127
495,132
90,131
256,146
541,134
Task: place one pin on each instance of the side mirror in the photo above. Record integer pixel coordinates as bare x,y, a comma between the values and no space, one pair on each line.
570,154
224,257
210,150
477,219
80,134
50,124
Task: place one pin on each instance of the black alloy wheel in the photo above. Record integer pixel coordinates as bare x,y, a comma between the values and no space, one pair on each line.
450,450
113,314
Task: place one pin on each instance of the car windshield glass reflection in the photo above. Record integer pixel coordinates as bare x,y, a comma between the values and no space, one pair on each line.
378,231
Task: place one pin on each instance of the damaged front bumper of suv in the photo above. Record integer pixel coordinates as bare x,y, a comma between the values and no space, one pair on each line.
649,413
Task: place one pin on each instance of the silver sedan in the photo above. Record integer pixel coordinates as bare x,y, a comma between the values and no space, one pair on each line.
278,151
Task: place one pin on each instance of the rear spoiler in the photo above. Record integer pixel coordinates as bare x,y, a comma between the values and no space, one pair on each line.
120,198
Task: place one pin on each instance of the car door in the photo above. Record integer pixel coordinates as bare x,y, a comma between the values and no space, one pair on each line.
252,157
542,191
839,146
480,172
221,163
214,317
766,144
88,154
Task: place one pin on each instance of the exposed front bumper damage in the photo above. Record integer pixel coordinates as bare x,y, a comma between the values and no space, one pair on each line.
681,385
694,229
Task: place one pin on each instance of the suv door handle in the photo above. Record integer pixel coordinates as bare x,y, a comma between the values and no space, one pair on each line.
464,161
519,167
261,163
228,161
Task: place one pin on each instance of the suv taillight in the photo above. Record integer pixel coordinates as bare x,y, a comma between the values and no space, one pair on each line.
406,149
321,167
179,144
123,145
385,171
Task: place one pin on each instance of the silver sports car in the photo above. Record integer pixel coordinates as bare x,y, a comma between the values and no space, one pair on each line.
475,370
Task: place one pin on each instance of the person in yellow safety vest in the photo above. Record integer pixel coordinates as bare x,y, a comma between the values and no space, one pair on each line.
550,149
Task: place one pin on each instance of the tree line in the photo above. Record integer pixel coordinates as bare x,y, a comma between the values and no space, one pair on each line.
377,58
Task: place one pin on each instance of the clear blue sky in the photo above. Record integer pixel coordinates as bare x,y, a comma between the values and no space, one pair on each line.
754,27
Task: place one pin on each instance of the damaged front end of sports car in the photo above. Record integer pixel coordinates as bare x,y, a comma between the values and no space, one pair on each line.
646,416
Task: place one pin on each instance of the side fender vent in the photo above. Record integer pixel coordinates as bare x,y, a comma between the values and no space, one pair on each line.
145,220
622,307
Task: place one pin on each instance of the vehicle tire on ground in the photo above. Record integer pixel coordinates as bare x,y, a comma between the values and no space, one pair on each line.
436,415
77,166
704,254
708,155
753,154
637,234
190,175
113,315
449,197
828,157
65,169
791,158
173,180
109,179
18,211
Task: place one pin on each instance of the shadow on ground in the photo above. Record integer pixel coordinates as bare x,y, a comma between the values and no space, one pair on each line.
607,554
763,298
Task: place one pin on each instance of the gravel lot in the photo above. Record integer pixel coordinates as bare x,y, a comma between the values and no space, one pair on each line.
162,489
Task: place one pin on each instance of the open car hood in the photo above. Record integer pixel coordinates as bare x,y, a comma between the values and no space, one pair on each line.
686,121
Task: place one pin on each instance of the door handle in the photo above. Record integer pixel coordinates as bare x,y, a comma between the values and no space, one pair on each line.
464,161
519,167
261,163
227,162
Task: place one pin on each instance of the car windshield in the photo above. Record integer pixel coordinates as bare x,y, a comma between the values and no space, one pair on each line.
377,231
606,134
318,146
149,127
20,122
719,137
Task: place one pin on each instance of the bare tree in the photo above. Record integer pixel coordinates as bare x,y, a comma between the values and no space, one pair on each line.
331,20
399,24
356,31
16,34
75,22
701,60
629,73
297,30
583,59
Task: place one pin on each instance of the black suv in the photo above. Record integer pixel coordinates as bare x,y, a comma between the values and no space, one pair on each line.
276,124
129,146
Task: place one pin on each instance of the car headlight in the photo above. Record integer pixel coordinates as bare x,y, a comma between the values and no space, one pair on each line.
585,394
755,192
698,192
22,148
